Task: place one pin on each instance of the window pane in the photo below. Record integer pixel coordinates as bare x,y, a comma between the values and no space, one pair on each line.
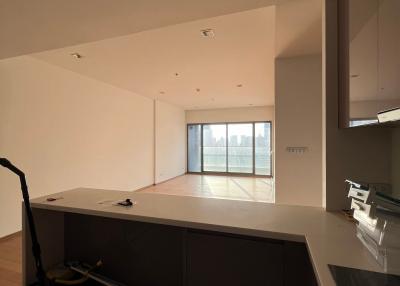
240,148
262,148
194,148
214,147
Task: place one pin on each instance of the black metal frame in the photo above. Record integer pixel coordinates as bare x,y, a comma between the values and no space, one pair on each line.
40,275
227,172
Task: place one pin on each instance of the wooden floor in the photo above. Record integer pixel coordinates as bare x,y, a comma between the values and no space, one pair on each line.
222,187
10,261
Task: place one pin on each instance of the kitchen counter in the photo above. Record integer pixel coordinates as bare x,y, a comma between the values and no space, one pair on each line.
329,237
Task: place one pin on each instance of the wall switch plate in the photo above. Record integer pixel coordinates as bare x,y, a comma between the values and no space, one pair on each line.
296,149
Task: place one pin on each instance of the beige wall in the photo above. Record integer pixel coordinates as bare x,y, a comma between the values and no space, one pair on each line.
170,141
298,115
297,28
257,113
65,131
360,154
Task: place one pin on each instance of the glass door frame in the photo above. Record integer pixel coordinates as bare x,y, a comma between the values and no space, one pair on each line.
226,173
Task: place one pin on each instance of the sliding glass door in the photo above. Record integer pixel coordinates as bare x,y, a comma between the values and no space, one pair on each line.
194,148
238,148
214,148
262,148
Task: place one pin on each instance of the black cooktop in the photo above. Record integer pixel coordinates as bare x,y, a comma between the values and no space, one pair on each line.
345,276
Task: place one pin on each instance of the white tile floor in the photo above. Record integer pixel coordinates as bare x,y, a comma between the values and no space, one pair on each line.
223,187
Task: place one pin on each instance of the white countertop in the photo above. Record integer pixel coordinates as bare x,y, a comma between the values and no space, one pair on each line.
329,236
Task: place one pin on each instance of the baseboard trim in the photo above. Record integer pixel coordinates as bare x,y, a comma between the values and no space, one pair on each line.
10,236
143,188
230,175
170,179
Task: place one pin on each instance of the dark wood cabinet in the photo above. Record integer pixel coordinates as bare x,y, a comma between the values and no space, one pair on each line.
298,269
221,259
146,254
133,253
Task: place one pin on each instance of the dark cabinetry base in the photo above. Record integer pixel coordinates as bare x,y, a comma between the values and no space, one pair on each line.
146,254
221,259
298,269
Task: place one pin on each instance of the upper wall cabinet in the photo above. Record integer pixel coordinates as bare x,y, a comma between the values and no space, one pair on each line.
369,59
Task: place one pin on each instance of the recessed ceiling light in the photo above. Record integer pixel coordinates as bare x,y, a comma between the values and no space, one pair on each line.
239,85
76,55
209,33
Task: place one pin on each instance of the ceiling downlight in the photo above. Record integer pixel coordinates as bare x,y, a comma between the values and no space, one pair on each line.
76,55
208,33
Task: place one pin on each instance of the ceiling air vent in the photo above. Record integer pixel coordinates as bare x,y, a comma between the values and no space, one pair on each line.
209,33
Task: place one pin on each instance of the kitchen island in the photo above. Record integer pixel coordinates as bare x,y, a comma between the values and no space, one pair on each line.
181,239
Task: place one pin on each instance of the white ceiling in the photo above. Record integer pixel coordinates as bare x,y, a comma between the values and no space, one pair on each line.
241,53
28,26
140,45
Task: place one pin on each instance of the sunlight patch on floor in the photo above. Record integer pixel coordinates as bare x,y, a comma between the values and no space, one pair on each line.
222,187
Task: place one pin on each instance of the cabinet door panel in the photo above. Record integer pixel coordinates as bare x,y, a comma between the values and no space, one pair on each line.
298,268
214,259
133,253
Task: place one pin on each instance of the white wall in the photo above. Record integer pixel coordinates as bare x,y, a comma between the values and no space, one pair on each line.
243,114
170,141
65,131
298,115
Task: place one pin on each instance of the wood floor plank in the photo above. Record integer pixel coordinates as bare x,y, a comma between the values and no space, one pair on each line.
10,260
223,187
